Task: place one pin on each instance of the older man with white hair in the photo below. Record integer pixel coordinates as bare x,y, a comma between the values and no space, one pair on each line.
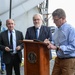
38,31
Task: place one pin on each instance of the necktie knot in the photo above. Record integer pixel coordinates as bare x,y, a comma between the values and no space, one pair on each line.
10,31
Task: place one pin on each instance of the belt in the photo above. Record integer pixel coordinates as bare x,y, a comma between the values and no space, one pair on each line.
66,58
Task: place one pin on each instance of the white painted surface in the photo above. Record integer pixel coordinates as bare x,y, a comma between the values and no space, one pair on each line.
67,5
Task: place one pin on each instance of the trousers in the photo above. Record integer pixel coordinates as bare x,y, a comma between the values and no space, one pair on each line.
2,62
64,66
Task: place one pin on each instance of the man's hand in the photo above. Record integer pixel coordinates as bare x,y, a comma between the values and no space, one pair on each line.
47,41
7,49
50,45
18,47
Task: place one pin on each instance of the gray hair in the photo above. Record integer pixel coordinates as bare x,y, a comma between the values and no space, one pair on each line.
60,13
41,16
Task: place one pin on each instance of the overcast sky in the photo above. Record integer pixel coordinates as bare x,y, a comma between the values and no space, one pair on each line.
67,5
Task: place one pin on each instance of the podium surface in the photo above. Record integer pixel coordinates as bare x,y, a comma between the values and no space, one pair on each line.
36,58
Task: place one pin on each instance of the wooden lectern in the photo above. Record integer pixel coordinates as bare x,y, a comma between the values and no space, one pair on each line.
36,58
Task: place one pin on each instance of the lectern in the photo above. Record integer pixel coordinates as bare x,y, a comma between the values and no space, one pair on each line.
36,58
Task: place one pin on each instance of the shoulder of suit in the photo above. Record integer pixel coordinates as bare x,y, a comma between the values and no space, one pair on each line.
44,27
4,32
18,31
32,27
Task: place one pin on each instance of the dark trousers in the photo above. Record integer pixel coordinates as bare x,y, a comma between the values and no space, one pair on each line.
2,62
14,64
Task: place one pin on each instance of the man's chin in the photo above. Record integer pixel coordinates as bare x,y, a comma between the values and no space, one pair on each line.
36,26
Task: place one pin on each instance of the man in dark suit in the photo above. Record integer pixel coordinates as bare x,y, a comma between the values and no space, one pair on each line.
12,56
38,31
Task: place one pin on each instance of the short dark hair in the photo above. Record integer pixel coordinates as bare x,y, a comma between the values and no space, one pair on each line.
60,13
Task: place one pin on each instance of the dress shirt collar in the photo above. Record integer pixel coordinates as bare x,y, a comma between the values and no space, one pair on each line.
38,28
62,26
12,31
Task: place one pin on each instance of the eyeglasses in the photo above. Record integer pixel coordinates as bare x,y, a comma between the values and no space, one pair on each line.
36,19
56,19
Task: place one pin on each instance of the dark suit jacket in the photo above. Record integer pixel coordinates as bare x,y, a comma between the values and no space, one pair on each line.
4,41
45,33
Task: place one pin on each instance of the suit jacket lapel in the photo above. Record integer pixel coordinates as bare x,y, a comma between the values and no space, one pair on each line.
7,38
16,34
41,30
34,32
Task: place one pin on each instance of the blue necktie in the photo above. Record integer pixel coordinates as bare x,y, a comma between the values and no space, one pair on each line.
36,33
